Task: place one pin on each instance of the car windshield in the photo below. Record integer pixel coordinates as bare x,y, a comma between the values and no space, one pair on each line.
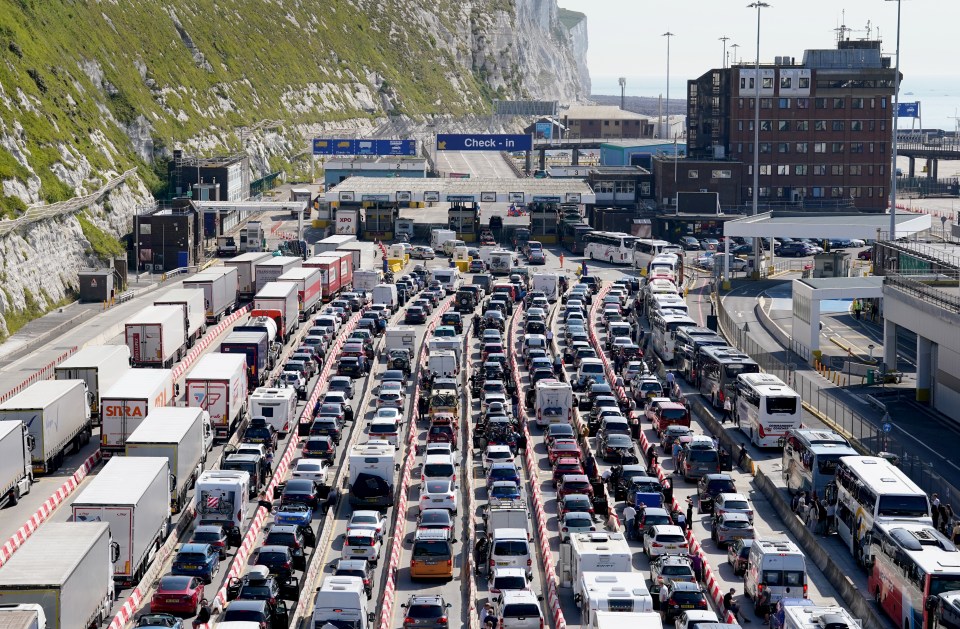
174,583
670,538
677,571
721,485
578,520
191,558
703,456
438,469
360,540
206,536
736,504
736,524
521,610
438,487
903,506
242,615
684,597
429,549
435,516
425,611
510,548
673,413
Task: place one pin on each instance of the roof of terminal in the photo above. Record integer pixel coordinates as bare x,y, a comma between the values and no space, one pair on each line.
487,190
827,225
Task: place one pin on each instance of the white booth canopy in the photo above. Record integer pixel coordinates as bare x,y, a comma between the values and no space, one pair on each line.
476,190
820,226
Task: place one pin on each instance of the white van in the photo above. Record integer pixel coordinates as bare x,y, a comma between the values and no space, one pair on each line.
779,566
450,245
448,278
510,548
590,368
518,610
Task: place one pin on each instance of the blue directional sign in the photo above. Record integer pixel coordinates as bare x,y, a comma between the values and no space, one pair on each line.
349,146
483,142
908,110
887,427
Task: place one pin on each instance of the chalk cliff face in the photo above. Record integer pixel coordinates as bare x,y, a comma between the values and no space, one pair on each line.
92,90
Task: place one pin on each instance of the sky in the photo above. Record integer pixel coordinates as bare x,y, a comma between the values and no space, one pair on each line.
625,36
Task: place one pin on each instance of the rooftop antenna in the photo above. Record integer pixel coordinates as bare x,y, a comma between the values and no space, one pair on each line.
869,29
843,29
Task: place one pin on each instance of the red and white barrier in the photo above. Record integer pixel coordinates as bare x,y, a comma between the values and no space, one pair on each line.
41,374
47,508
212,334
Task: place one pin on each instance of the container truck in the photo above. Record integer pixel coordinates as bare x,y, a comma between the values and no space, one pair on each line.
180,435
218,385
133,496
67,569
16,466
23,616
246,266
255,348
156,336
269,326
278,301
220,286
440,236
277,406
57,416
99,366
269,270
332,243
308,289
329,275
372,476
129,401
191,301
219,497
252,238
356,251
365,279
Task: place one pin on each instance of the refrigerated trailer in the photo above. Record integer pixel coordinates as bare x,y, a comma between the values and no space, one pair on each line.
129,401
156,336
246,265
308,289
330,280
278,301
254,346
57,416
220,286
218,385
269,270
191,300
181,436
132,494
16,467
66,568
99,366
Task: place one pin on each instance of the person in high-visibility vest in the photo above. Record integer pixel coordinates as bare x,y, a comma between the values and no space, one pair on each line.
561,260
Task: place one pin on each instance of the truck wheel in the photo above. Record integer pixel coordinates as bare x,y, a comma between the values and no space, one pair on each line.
14,496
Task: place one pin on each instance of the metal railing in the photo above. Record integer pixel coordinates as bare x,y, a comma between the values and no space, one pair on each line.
831,403
941,298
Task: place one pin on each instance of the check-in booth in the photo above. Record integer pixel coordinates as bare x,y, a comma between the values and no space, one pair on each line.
463,218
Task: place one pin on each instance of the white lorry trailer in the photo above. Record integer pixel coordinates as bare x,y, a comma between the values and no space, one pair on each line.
23,616
156,336
133,496
219,497
191,300
277,406
181,436
364,280
99,366
16,466
246,265
372,476
308,289
269,270
220,286
57,415
218,385
278,301
67,569
129,401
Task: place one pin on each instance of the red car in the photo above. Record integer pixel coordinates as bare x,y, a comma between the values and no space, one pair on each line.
177,595
491,348
442,432
565,466
574,484
562,448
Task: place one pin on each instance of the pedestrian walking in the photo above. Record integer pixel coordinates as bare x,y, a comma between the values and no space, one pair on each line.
946,516
743,455
203,616
681,521
690,510
857,308
561,260
488,618
831,518
935,510
821,518
727,408
671,380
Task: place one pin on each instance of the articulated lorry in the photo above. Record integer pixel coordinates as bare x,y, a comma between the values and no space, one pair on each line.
191,300
269,270
246,265
129,401
100,366
16,465
57,416
218,385
308,285
133,496
220,286
254,346
67,569
156,336
278,301
180,435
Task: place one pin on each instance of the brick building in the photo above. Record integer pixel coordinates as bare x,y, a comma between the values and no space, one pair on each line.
604,121
825,125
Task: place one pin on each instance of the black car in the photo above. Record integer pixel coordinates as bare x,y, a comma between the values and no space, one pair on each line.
357,568
350,366
709,486
452,319
796,249
466,301
319,447
302,490
592,282
291,537
415,315
617,449
260,612
260,433
326,427
212,534
259,585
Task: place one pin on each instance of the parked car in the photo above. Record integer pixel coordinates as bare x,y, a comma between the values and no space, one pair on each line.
425,612
197,560
738,554
177,594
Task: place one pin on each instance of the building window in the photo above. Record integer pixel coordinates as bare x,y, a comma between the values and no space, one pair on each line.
883,103
804,83
750,148
801,147
783,147
803,125
819,147
855,170
783,125
838,103
800,169
766,103
739,125
856,125
836,170
739,148
767,83
819,169
786,82
883,147
721,174
783,169
856,103
740,103
616,123
645,189
764,191
870,169
606,123
871,147
820,125
625,187
817,192
784,103
855,192
856,147
693,174
753,103
766,147
803,103
604,187
749,125
838,125
871,125
820,103
766,125
765,169
836,147
746,83
716,79
883,125
870,192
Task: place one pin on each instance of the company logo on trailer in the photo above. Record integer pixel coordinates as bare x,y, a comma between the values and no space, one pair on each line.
122,410
204,400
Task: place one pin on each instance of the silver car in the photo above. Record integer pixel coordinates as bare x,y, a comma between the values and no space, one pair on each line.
731,526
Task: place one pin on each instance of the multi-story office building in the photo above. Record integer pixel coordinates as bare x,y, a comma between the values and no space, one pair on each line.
825,125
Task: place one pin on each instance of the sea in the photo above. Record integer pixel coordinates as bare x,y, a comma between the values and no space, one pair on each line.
939,96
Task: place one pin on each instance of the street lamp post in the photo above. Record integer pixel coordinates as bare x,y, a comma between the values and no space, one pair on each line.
756,138
896,107
724,39
668,35
734,48
623,92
